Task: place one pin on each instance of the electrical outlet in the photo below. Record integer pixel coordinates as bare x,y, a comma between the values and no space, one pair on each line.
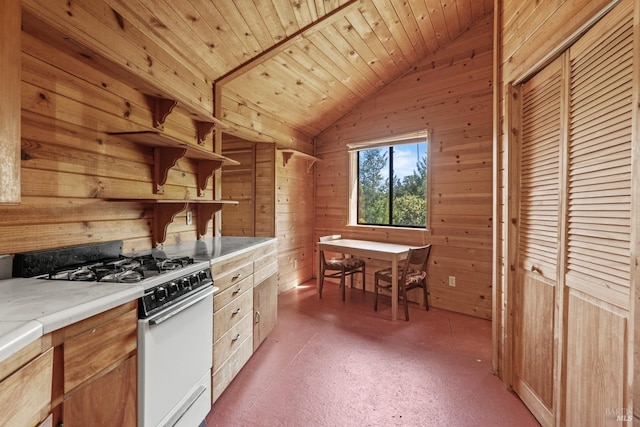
452,281
189,217
295,263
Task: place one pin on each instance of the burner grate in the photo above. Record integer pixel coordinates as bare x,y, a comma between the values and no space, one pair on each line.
120,270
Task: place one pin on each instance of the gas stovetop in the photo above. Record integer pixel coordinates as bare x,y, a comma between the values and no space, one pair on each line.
123,269
165,280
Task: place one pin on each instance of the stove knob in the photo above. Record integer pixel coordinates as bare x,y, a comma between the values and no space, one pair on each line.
173,288
186,283
161,293
194,280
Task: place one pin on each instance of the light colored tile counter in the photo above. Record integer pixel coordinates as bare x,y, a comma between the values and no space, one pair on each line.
214,249
33,307
16,335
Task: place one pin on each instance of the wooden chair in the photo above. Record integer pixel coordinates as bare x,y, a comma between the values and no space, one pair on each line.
413,274
339,267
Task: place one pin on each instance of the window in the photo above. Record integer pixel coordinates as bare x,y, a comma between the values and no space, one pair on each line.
390,182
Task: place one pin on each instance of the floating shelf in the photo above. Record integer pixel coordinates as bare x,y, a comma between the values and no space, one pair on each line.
287,153
167,152
165,211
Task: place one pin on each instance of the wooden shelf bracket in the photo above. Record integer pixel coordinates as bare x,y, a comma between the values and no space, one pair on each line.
287,153
164,158
205,170
162,107
203,129
163,215
204,215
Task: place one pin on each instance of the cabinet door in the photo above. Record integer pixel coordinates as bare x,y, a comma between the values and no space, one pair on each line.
265,307
25,396
10,17
109,400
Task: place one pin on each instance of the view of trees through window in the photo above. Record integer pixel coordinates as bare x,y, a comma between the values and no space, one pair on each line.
392,185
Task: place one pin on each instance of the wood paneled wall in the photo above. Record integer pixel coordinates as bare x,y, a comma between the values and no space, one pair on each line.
294,221
450,94
275,199
73,171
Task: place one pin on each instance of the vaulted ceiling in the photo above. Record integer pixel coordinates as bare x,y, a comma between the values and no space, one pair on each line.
277,70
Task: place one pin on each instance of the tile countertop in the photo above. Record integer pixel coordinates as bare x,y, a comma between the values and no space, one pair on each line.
213,249
30,307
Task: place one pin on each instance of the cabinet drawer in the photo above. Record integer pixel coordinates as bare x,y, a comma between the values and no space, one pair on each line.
222,268
106,344
268,270
234,291
265,260
232,277
227,372
230,314
25,396
229,343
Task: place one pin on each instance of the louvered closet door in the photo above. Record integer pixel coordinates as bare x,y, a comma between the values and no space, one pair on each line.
599,220
538,241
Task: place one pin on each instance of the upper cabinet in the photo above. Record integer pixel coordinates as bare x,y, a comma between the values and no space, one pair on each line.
10,102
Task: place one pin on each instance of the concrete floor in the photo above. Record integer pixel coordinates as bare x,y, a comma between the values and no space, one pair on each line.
329,363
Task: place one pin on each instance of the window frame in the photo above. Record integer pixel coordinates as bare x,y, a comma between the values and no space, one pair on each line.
354,148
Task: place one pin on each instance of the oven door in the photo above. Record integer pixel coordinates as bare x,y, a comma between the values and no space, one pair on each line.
174,363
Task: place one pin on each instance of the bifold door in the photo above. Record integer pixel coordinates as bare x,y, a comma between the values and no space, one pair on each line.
571,342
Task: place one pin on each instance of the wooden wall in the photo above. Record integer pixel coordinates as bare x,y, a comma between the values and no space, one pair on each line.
593,366
275,199
450,94
294,221
239,183
73,171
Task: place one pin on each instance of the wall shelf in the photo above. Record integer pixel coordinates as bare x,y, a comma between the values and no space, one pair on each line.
165,211
287,153
167,151
162,107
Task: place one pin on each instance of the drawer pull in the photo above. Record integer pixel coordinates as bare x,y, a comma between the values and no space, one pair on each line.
236,276
257,317
236,338
237,291
236,311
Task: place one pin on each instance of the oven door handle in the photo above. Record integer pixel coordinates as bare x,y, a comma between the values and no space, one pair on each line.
183,305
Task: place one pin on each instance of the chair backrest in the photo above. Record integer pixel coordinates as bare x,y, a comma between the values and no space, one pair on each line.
327,239
418,258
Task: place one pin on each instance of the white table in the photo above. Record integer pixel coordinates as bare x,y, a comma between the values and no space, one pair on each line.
369,249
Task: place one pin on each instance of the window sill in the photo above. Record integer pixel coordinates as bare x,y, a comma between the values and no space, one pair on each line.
386,229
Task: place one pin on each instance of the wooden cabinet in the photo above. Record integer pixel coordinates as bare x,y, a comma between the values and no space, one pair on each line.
80,375
108,400
97,374
234,326
25,386
232,320
265,296
10,17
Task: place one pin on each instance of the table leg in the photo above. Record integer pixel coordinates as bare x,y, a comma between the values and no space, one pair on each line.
318,272
394,288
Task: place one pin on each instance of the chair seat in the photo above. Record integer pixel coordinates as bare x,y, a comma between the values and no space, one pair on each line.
346,263
413,276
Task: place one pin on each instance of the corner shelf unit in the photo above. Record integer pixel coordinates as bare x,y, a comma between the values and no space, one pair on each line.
166,153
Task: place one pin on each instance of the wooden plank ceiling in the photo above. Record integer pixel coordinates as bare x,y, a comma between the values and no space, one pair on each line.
284,70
